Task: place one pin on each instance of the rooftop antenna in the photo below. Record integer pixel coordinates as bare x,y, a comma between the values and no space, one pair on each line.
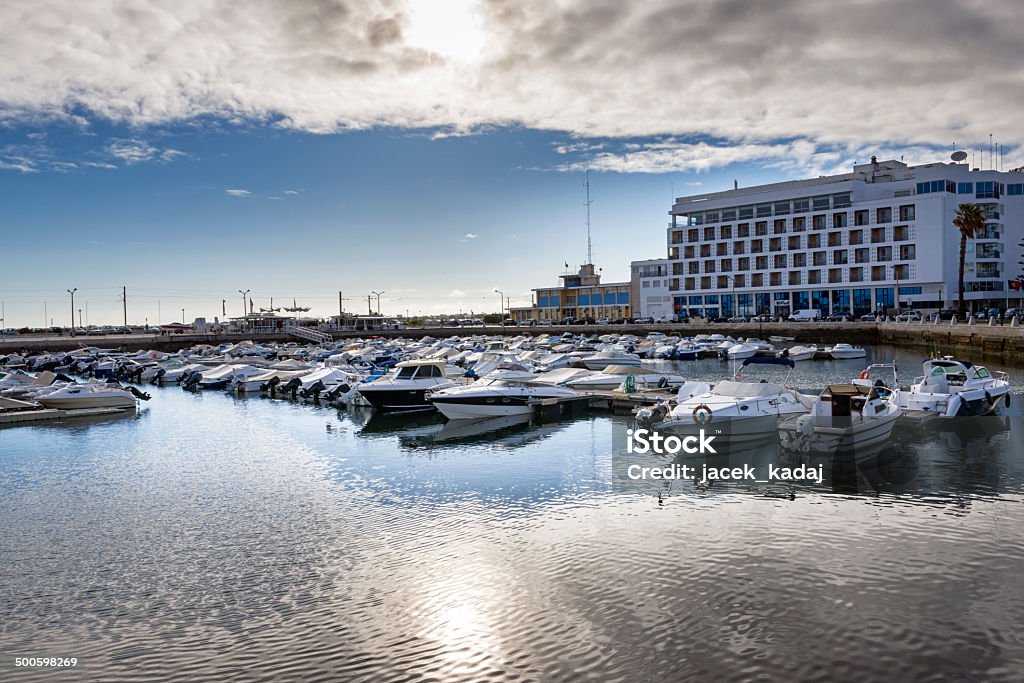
590,255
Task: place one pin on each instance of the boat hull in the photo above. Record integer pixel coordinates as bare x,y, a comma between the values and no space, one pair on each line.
396,400
728,428
80,402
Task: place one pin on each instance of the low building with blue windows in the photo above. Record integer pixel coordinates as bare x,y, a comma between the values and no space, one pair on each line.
579,295
878,238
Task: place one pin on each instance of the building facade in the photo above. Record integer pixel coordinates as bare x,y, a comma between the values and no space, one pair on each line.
580,295
649,289
877,238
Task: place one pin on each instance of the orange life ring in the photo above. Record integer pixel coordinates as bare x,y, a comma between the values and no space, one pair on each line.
863,374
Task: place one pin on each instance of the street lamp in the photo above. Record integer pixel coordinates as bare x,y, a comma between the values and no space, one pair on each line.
183,316
501,301
72,293
377,294
244,294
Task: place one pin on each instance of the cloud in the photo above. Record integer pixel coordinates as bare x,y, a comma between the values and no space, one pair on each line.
471,235
290,192
238,193
456,294
858,74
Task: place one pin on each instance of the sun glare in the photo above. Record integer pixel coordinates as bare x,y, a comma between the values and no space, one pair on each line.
450,28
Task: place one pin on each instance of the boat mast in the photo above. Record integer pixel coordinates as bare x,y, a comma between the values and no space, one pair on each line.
590,255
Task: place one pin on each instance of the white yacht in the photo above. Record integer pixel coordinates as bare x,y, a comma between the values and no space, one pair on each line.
844,417
611,356
846,352
79,396
496,398
955,388
734,411
805,352
614,376
404,390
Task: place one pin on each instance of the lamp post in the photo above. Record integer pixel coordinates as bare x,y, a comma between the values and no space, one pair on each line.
896,276
501,302
183,316
377,294
72,293
244,294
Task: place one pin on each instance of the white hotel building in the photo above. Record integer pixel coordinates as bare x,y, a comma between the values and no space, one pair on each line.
847,242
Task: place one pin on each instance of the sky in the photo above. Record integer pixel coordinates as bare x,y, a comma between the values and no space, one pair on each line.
437,150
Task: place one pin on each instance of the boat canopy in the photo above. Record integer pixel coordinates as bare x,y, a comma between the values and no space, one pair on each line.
727,387
770,361
630,370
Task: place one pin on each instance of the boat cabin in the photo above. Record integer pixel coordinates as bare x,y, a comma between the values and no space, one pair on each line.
419,369
850,400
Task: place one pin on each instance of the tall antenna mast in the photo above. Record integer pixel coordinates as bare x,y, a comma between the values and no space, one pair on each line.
590,255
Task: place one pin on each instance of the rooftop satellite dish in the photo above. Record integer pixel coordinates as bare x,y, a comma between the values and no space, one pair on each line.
959,156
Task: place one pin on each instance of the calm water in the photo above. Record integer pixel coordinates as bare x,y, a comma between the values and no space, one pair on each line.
214,537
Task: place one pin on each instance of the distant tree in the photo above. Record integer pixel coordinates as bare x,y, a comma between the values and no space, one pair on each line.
970,221
492,318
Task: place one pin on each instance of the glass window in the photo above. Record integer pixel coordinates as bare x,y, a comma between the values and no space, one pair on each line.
801,205
405,373
907,212
883,215
746,212
764,210
823,203
729,214
986,190
781,208
841,200
910,291
965,188
1015,189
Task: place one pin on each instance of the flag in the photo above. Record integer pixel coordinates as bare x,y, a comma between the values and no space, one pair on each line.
1015,285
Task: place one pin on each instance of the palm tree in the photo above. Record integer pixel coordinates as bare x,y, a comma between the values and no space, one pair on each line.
970,220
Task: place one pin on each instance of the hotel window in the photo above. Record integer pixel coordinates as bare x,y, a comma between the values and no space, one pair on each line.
761,263
835,275
744,263
721,249
780,227
987,190
900,233
690,284
839,257
781,208
819,221
841,200
729,214
780,262
936,186
992,211
743,230
775,244
726,265
813,241
739,280
723,282
799,223
694,267
801,205
775,279
746,212
814,277
878,273
794,242
709,234
883,254
705,250
991,232
910,291
862,255
907,212
693,235
757,280
761,228
725,232
986,250
839,220
711,217
856,275
901,272
823,203
799,260
877,235
861,217
688,252
705,282
646,284
1015,189
764,210
739,247
818,258
883,215
756,246
794,277
856,237
835,239
709,266
965,188
908,252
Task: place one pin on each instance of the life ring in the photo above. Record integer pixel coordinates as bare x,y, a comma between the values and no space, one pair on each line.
702,415
863,374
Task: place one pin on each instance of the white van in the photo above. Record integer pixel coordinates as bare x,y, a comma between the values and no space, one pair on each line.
806,315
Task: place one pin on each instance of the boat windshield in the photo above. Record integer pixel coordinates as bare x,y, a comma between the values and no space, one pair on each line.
405,373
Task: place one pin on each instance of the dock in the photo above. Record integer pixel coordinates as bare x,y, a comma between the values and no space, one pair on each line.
618,402
20,417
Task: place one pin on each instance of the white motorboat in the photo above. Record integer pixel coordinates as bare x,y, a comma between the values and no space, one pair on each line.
404,390
613,356
741,351
845,417
614,376
955,388
79,396
846,352
264,380
496,398
735,411
798,353
222,376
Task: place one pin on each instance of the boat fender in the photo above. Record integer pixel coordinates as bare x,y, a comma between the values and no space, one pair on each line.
702,414
1007,399
953,408
988,397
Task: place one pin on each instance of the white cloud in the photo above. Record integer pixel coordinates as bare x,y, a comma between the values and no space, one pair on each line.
238,193
859,74
290,192
471,235
456,294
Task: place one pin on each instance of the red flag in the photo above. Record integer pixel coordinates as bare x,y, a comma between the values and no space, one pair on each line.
1015,285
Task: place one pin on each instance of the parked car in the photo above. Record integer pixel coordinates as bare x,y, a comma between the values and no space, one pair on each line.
737,319
547,321
508,322
945,314
805,315
645,321
764,318
909,316
527,323
585,321
604,321
567,321
1010,312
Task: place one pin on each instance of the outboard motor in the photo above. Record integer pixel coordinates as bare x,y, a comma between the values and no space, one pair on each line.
650,416
191,380
337,391
291,386
158,377
141,395
313,390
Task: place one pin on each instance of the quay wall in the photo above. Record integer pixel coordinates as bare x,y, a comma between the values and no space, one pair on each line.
1002,344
